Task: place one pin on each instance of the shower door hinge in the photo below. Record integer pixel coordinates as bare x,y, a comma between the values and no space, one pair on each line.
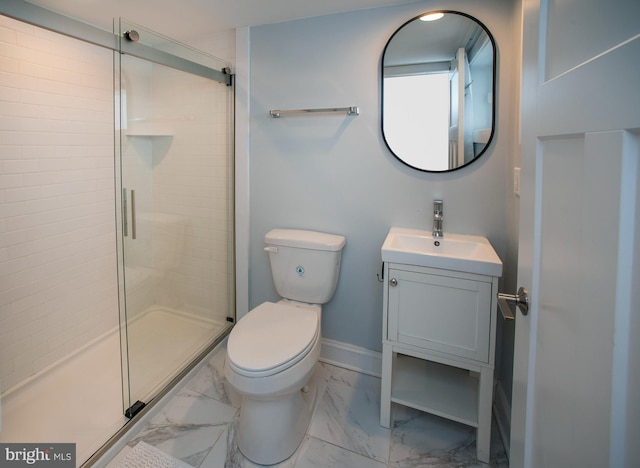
230,319
134,409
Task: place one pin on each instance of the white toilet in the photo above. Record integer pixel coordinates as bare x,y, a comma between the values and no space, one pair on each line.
272,351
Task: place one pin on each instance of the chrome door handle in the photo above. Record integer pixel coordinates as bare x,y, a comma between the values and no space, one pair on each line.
521,300
393,282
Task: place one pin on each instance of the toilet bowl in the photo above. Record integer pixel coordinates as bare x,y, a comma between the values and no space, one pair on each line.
272,351
276,407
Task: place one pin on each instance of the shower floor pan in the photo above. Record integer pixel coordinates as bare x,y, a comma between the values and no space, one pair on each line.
79,399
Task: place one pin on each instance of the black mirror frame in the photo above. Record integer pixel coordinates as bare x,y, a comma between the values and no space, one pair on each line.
493,90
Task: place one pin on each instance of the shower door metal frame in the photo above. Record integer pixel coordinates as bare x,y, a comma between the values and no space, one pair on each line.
47,19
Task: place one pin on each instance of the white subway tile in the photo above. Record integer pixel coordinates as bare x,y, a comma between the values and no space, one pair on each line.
35,152
17,223
11,267
7,34
11,181
9,94
21,194
18,81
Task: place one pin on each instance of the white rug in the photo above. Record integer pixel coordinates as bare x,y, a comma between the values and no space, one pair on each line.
144,455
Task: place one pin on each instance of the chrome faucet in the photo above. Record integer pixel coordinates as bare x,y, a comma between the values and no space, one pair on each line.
437,218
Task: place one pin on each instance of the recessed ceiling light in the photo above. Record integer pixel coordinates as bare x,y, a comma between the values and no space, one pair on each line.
431,16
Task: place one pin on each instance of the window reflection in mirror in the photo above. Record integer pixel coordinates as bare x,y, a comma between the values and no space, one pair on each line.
437,92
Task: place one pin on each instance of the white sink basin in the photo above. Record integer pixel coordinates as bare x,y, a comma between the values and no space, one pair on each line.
471,254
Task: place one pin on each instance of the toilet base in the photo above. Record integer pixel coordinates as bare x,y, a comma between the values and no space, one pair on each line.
270,431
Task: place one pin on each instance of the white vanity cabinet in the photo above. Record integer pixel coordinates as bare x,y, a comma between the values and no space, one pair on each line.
439,344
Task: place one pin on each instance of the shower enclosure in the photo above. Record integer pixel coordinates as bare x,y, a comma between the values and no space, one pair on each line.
116,227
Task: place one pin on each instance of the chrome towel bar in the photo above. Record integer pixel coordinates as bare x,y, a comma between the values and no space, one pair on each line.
353,110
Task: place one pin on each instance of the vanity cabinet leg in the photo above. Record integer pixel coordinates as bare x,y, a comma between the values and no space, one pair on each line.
485,398
385,397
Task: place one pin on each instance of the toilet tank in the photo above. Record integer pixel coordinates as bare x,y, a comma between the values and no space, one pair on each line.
305,264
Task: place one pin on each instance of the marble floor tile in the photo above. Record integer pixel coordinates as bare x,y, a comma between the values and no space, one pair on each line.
316,453
198,426
210,381
350,378
223,453
187,427
347,415
419,439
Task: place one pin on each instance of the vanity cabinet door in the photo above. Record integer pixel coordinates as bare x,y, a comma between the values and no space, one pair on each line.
449,314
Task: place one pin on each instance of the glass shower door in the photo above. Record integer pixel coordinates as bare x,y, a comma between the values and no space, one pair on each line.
175,189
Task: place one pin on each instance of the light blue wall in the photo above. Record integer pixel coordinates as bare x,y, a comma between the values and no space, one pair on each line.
334,173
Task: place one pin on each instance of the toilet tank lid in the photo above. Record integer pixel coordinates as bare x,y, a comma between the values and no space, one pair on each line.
305,239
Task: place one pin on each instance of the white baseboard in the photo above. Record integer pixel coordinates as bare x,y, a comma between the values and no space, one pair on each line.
351,357
502,412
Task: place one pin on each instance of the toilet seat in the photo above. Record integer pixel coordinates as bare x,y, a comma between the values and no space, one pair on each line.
271,338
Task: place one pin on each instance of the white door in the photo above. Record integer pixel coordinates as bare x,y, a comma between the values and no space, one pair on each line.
576,387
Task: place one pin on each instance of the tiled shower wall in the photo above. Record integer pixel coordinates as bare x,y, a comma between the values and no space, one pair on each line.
57,233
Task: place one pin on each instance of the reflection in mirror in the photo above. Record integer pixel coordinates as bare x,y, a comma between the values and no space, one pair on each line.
438,79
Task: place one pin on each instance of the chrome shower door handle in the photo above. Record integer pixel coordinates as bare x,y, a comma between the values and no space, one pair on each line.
133,214
125,222
520,300
126,204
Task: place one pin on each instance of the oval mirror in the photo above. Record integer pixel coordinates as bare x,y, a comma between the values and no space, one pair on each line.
438,81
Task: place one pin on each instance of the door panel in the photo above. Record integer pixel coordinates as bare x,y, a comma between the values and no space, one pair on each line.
578,237
576,303
586,29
